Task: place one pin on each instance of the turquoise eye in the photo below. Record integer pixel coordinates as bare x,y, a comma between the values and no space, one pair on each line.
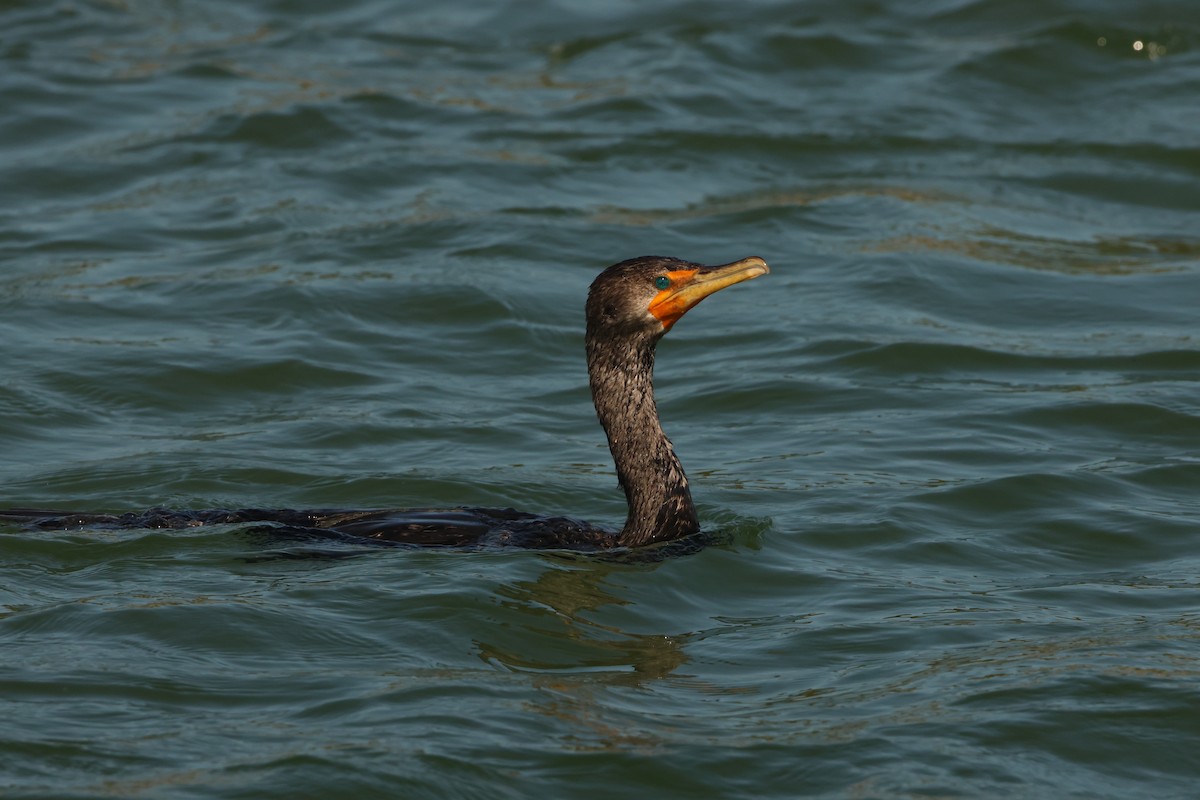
662,282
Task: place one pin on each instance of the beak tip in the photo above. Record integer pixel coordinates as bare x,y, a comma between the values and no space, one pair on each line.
753,265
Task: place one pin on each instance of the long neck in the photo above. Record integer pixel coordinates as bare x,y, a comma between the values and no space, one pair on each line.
622,380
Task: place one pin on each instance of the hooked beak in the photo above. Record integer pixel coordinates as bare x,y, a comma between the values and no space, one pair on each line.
690,286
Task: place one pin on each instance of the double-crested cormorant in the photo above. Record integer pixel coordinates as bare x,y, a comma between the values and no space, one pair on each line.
630,306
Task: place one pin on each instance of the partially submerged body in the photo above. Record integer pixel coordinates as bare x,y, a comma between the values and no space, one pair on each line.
630,306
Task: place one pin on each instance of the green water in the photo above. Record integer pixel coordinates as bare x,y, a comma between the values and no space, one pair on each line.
304,255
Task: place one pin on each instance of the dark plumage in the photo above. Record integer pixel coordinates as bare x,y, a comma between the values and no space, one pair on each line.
630,306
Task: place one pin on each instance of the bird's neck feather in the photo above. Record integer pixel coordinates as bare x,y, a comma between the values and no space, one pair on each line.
656,488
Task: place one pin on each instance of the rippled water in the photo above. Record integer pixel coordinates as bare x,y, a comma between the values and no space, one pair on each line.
294,254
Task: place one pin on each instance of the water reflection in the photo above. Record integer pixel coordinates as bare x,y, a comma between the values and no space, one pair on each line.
576,663
556,634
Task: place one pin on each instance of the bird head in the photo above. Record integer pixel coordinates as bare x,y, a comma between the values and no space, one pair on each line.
649,294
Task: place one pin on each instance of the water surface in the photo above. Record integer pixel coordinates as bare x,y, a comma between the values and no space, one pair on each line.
279,254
